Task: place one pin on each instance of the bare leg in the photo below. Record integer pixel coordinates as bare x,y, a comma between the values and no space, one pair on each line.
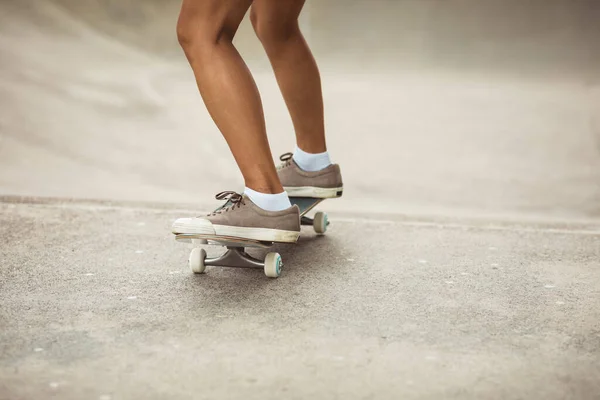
276,25
205,30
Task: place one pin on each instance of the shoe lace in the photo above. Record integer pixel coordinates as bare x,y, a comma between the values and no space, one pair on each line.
234,200
286,159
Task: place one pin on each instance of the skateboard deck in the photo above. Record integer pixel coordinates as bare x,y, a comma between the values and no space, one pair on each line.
236,256
305,204
227,241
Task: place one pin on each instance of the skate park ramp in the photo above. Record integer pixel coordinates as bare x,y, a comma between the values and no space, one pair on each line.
452,107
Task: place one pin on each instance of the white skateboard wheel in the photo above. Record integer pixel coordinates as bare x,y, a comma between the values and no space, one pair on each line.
320,222
196,260
273,265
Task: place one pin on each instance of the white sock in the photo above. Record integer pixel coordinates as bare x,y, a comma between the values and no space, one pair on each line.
269,202
311,162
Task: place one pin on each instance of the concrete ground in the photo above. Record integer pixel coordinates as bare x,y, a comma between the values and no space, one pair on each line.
98,302
462,262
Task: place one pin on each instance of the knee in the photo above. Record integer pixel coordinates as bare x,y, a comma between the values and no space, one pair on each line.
186,32
199,32
273,31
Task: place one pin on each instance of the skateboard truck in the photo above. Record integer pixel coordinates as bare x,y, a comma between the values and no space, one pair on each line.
311,222
235,257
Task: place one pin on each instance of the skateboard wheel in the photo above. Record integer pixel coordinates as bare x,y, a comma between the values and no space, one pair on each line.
196,260
320,222
273,265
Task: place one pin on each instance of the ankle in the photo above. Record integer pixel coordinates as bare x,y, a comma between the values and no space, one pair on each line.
312,147
310,161
265,187
269,201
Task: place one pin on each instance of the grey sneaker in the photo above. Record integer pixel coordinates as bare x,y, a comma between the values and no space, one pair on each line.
325,183
240,217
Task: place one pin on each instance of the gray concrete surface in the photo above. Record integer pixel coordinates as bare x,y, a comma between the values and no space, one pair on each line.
463,260
97,302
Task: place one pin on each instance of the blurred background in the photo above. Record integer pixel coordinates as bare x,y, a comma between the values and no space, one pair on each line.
436,107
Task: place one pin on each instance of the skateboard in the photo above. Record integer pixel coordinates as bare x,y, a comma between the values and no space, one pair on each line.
236,255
